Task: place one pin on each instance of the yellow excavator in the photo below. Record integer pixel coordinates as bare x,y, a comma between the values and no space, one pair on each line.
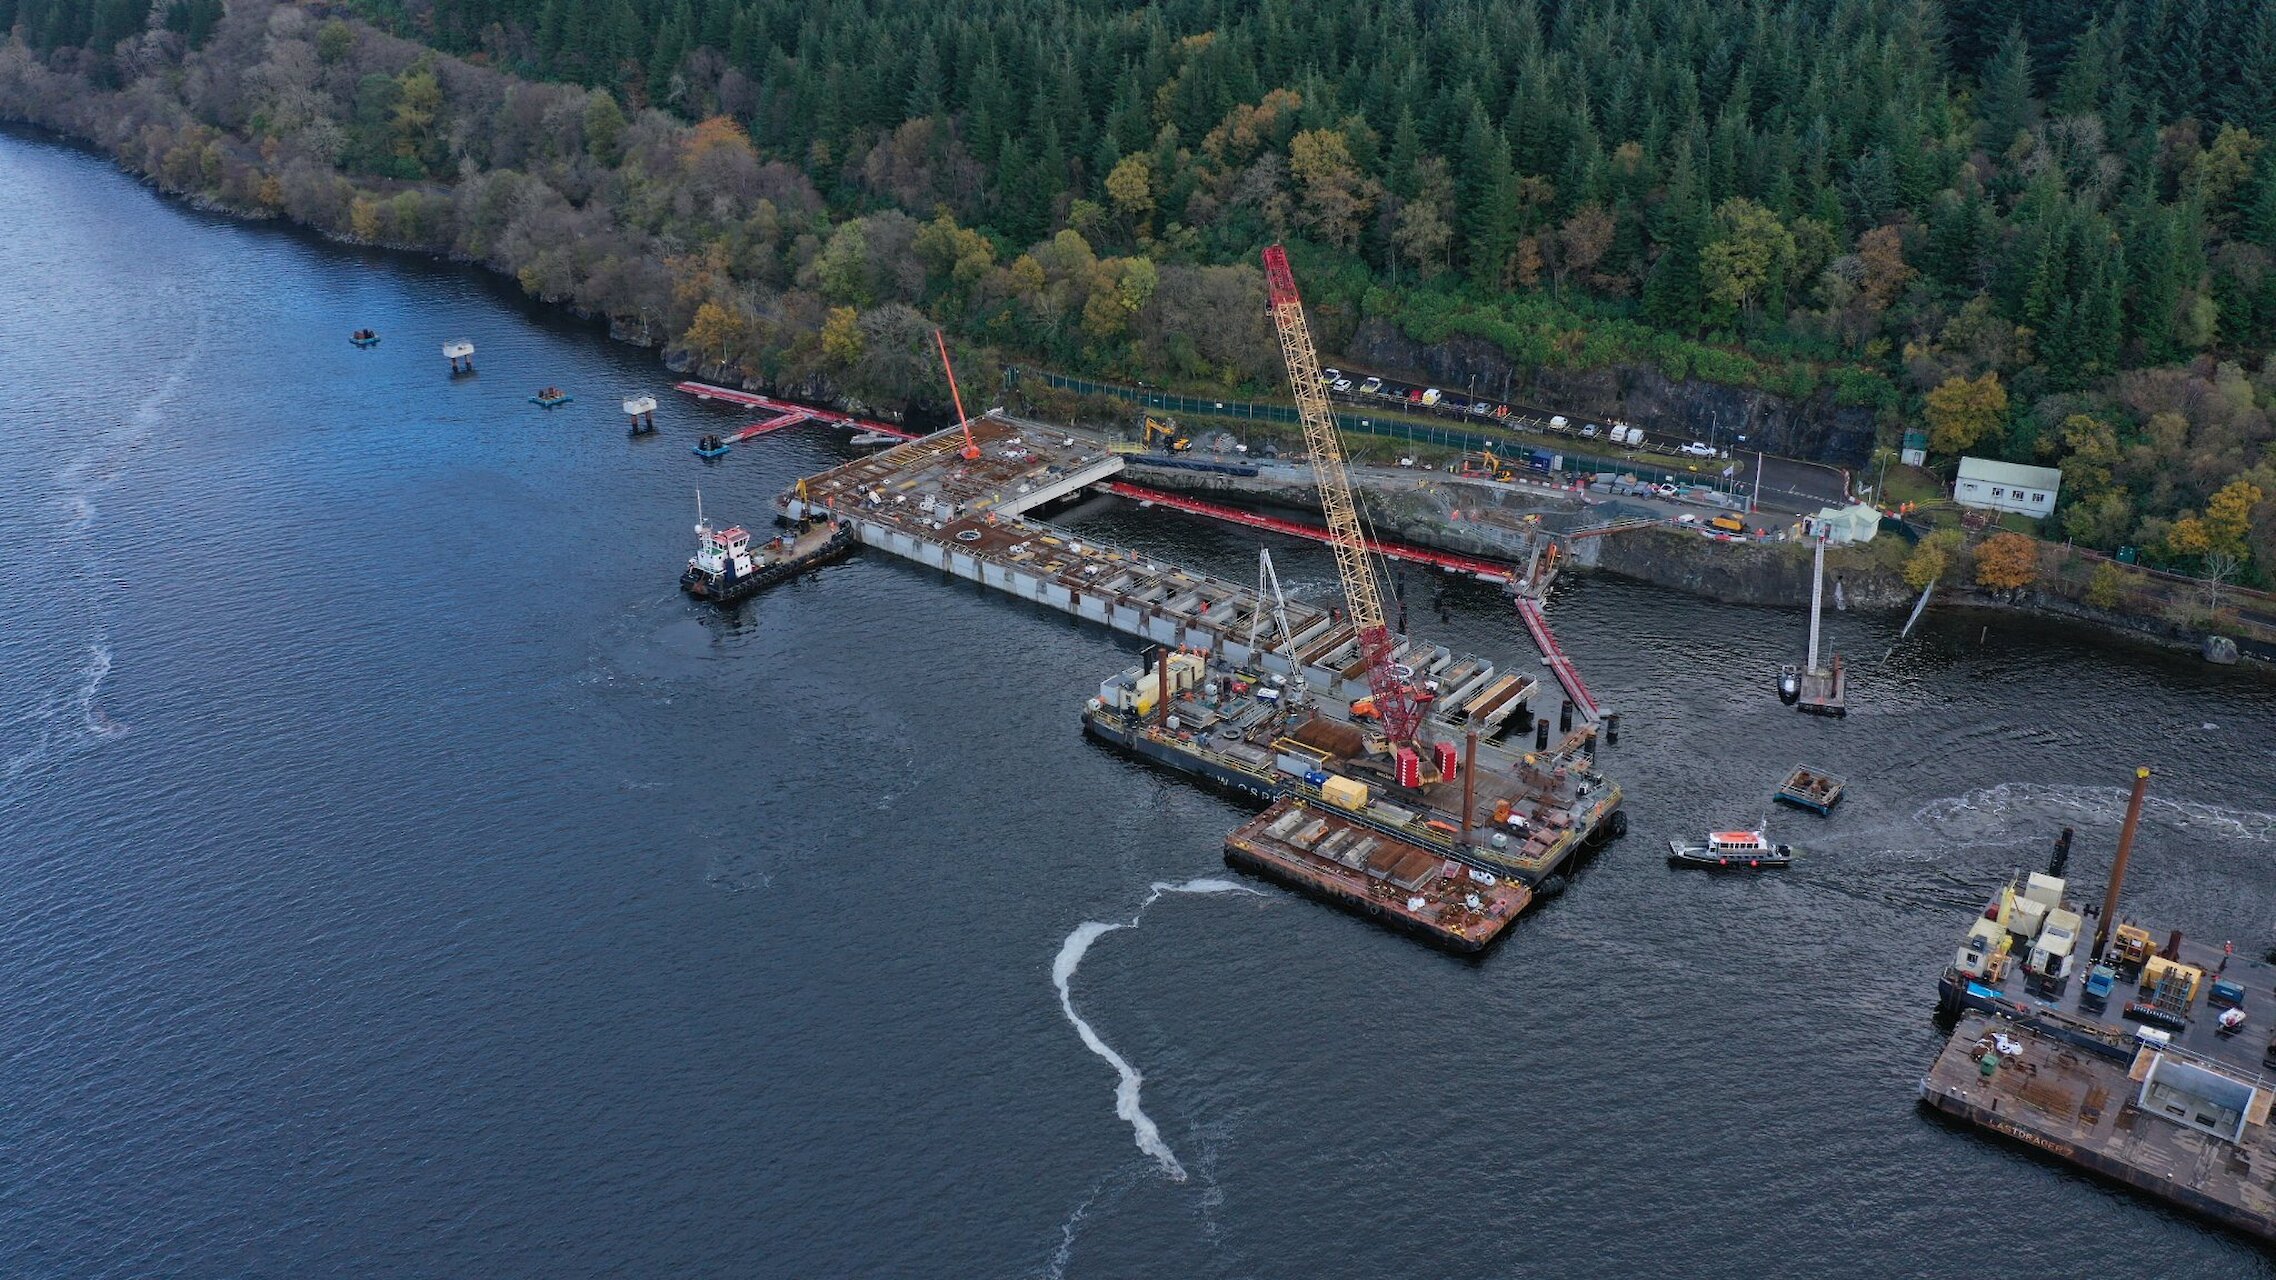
1487,467
1165,431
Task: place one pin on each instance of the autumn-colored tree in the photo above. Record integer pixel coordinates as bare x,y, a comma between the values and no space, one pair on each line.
1119,289
1425,222
1582,241
1337,197
1131,187
1882,251
1525,264
2224,527
417,114
1964,410
1245,130
2007,562
716,332
1926,564
715,133
2107,586
841,336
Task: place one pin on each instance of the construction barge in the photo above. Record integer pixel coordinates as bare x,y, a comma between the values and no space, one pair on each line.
1323,853
1375,753
2084,1036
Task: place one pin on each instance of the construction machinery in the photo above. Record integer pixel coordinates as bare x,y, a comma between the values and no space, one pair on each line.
1485,466
1396,704
1164,432
971,450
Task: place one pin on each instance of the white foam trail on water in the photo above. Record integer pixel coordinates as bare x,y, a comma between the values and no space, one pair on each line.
70,709
1056,1268
1991,813
1063,968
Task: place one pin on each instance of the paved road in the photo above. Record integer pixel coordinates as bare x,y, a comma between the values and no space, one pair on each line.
1792,484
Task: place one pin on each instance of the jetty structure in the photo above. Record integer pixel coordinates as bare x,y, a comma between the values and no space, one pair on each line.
640,407
1818,690
2080,1033
1376,755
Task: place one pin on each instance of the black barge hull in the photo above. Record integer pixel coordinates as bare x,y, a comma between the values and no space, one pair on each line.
731,591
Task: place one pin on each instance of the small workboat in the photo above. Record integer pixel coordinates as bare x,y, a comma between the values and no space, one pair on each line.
727,568
1729,851
711,447
364,338
551,397
1811,789
1789,685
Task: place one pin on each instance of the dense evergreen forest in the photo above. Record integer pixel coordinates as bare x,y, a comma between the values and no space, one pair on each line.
2044,229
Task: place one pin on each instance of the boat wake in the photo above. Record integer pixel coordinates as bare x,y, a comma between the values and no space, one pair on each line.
65,715
1988,817
1063,968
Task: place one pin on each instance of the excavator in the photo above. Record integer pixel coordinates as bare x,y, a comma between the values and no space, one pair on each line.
1395,703
1166,432
1485,467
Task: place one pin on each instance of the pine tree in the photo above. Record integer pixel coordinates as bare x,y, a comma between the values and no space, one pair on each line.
2249,98
2005,107
1674,293
924,97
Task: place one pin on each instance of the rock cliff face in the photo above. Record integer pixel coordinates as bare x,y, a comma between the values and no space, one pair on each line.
1491,526
1419,510
1815,428
1772,573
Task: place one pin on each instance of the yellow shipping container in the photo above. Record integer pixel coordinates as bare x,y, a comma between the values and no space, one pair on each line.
1344,792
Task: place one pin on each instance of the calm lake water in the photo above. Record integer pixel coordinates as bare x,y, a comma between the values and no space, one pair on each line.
399,878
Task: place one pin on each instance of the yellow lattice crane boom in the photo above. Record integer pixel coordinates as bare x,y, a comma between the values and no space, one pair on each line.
1394,698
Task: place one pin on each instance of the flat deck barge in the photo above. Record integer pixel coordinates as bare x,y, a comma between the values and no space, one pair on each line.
2149,1061
2138,1119
1513,813
1319,850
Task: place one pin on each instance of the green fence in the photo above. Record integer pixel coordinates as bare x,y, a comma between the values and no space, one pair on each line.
1463,438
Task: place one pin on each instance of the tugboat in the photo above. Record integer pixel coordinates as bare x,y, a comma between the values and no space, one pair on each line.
551,397
364,338
726,569
710,447
1730,851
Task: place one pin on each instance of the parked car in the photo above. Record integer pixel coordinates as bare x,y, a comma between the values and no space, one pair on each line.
1699,449
1558,423
1371,386
1340,384
1431,396
1330,375
1414,394
1588,429
1666,490
1481,408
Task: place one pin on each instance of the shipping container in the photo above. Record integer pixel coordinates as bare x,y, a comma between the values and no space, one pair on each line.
1344,793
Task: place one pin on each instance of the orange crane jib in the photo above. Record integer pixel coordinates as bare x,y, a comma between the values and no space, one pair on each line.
1395,699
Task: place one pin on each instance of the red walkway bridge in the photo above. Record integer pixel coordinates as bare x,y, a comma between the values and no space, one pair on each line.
1489,570
1529,611
788,413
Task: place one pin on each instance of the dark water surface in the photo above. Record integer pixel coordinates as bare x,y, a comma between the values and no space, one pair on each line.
399,878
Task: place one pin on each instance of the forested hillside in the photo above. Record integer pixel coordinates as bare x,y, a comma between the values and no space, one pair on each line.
2044,228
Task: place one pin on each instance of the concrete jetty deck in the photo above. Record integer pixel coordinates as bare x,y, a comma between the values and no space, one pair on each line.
925,502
